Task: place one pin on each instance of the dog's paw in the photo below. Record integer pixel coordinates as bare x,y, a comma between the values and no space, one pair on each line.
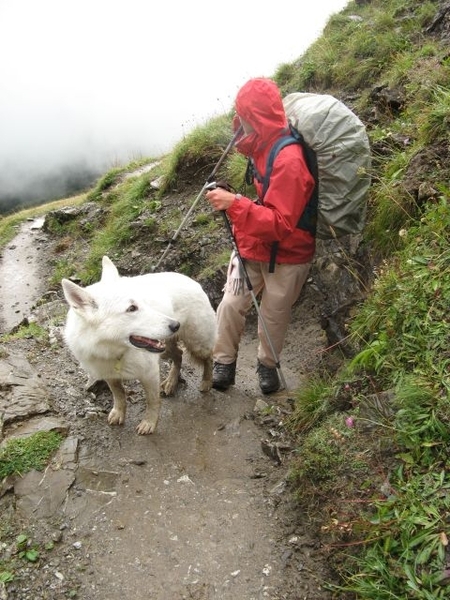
169,386
116,417
205,386
146,427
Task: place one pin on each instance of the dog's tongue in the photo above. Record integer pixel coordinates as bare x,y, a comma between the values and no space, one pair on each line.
147,343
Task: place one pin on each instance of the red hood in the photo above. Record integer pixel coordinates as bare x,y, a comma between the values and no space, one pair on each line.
259,103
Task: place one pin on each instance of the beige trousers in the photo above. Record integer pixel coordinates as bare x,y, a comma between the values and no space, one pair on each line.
279,291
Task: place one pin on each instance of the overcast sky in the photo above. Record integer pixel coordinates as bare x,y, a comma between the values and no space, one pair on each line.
105,81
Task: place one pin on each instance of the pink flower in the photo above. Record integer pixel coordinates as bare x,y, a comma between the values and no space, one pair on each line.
349,422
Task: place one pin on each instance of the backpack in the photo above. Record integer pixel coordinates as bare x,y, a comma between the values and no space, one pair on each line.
337,153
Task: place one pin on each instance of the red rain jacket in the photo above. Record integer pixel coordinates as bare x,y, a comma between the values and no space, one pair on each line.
256,226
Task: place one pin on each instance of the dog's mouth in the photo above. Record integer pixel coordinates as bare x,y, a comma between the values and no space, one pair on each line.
147,343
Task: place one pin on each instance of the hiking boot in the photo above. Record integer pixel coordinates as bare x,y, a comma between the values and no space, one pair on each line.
268,378
223,375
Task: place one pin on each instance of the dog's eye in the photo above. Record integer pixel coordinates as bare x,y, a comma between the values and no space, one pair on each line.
132,308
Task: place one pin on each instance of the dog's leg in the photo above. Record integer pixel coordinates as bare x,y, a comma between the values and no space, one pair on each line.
206,384
175,354
117,414
153,399
202,356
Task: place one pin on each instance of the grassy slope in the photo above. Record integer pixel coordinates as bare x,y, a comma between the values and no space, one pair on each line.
377,478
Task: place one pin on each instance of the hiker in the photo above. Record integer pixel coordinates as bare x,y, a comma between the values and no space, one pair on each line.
276,253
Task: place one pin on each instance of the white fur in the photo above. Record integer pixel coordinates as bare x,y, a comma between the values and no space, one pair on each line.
103,316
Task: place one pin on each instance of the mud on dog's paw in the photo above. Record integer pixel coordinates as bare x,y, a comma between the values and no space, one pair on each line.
169,385
206,386
146,427
116,417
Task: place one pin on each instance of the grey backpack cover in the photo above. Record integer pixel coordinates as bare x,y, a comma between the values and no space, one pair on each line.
342,147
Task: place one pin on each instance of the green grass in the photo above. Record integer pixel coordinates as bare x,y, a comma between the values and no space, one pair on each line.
21,455
406,557
406,317
200,150
31,330
403,334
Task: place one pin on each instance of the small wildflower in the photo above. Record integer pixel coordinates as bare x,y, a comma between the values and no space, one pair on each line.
349,422
336,434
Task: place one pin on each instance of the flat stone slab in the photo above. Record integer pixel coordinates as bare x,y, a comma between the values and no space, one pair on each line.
41,495
23,394
35,425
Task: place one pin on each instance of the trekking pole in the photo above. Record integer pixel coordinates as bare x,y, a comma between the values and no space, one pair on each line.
212,186
202,191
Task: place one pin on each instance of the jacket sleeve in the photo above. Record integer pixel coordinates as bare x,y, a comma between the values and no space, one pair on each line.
290,188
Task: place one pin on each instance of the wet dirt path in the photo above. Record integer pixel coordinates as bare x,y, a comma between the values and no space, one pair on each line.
20,281
192,517
195,511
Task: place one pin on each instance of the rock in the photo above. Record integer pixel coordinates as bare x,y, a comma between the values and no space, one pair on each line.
99,481
272,451
41,495
34,425
22,391
261,406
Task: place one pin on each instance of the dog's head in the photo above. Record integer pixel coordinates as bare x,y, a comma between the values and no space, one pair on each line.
116,310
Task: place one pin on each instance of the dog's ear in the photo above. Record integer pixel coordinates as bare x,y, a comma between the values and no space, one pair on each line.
76,296
109,270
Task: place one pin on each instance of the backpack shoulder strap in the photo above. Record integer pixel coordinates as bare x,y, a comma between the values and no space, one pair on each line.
281,143
308,219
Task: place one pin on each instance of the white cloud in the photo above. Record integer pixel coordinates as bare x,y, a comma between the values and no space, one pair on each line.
101,80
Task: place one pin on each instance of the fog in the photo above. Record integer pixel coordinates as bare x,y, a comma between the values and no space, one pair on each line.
88,85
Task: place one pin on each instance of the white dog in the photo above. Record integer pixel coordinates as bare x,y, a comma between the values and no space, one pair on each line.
119,327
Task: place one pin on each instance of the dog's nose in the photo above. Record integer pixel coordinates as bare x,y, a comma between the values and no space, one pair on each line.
174,326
